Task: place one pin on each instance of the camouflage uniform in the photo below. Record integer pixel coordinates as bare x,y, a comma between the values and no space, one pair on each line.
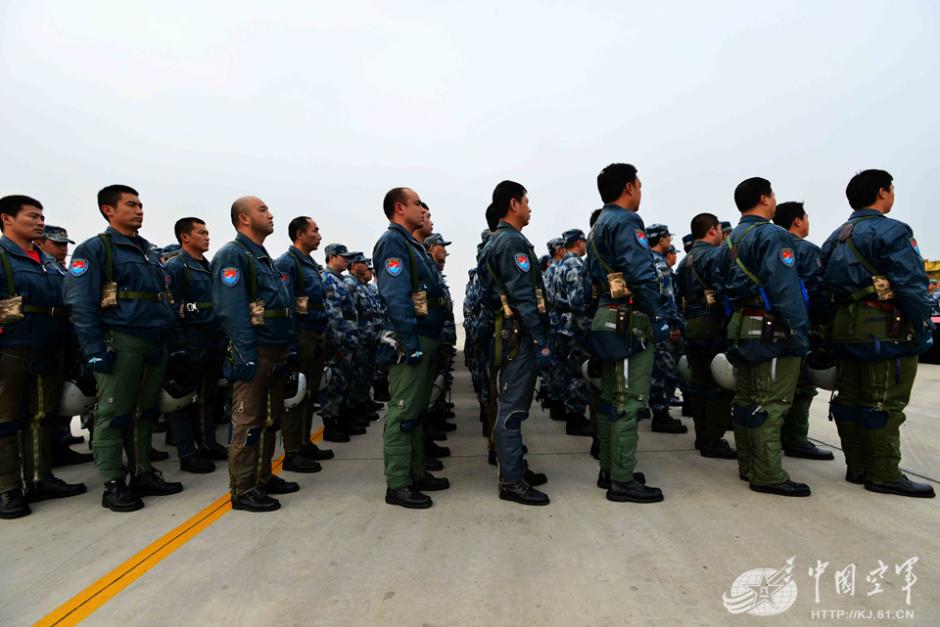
665,378
342,341
568,292
369,316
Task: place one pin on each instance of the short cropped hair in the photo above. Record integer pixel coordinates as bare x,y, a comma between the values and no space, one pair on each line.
613,179
111,196
185,225
12,205
297,225
702,224
862,190
787,212
748,192
394,195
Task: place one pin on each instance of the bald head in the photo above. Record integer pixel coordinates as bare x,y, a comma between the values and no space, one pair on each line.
251,216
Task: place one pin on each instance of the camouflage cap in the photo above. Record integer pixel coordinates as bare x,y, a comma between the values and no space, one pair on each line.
687,241
56,234
726,226
572,235
333,250
554,244
355,257
435,239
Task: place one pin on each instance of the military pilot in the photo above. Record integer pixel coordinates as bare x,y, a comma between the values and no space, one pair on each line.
621,336
32,335
197,352
250,297
414,299
767,334
513,291
875,274
121,310
305,288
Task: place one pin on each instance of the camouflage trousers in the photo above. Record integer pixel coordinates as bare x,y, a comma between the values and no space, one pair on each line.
363,365
570,355
665,377
337,394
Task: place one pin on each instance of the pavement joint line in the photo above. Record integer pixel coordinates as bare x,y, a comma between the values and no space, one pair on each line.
83,604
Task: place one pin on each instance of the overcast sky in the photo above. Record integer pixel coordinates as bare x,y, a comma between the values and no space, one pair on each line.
319,111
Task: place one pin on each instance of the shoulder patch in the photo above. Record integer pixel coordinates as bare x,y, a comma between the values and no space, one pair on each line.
285,278
916,247
641,238
78,267
230,277
522,261
787,257
393,266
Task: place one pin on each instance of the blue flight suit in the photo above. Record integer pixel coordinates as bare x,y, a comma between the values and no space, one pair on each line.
618,244
406,276
876,338
795,430
507,267
243,273
305,289
768,335
124,343
196,353
30,363
700,293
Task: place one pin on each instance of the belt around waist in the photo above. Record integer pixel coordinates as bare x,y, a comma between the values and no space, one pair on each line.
54,312
193,307
277,313
156,297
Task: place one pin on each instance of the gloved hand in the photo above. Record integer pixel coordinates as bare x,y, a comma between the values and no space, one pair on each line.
242,372
101,362
543,357
414,358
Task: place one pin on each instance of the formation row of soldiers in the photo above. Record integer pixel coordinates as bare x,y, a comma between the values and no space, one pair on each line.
757,305
130,334
759,295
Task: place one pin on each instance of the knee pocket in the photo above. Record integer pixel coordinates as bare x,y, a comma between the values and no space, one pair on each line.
515,419
748,417
843,413
253,437
121,421
409,425
871,418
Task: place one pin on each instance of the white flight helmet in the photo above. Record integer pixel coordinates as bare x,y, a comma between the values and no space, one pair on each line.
723,372
684,370
295,390
74,402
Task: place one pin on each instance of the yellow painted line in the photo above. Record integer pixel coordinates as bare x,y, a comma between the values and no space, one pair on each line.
97,594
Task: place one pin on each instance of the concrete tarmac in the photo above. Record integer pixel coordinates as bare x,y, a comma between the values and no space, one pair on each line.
336,554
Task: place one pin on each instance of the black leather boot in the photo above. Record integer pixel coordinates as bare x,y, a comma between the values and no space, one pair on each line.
119,498
13,504
633,492
521,492
255,501
408,497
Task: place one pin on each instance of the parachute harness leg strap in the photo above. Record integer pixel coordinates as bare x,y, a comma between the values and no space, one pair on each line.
268,422
136,420
37,420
